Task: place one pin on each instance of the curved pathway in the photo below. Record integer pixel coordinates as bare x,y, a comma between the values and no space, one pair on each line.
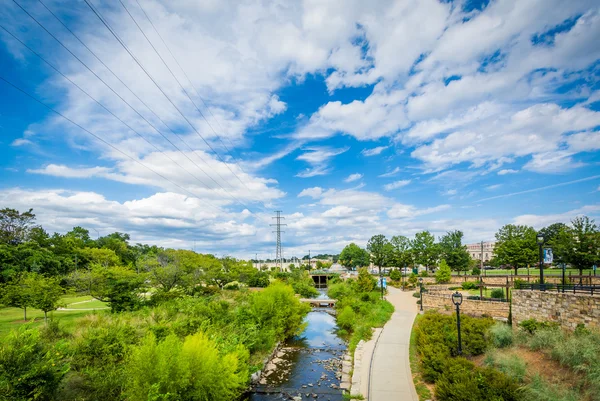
390,378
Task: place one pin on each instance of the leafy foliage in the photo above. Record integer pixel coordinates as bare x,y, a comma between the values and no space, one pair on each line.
354,256
454,252
516,246
443,274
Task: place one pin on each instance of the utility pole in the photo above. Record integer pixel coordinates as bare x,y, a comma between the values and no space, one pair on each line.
309,265
278,252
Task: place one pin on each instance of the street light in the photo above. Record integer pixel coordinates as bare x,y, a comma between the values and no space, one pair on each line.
421,290
457,300
540,242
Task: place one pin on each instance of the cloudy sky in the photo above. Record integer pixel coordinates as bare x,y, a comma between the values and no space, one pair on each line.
189,122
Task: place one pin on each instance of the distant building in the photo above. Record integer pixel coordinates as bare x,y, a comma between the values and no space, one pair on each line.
475,250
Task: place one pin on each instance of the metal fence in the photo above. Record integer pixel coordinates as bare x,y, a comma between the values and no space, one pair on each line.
571,288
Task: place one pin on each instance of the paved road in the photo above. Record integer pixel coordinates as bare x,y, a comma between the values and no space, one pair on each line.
390,376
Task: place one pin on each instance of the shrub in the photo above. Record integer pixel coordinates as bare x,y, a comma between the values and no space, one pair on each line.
545,339
469,285
232,285
395,275
443,274
346,318
304,289
29,369
497,293
532,325
476,271
540,390
194,369
501,335
260,279
464,381
512,366
424,273
365,282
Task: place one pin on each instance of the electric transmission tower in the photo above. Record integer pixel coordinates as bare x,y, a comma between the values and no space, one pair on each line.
278,252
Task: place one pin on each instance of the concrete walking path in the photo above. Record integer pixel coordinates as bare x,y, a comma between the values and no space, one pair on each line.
390,378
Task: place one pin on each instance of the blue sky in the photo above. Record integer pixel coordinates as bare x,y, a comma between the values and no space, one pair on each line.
354,118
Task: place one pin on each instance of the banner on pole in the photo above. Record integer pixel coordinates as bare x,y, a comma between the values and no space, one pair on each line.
548,256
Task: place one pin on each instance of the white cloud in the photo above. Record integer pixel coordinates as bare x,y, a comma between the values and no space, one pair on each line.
69,172
400,211
390,173
21,142
373,151
539,221
318,157
314,192
552,162
507,171
353,177
396,185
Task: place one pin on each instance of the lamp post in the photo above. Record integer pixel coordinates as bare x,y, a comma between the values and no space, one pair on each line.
421,291
402,275
457,300
540,242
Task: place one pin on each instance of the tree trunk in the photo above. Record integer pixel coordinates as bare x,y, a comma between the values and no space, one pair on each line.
25,313
516,271
45,317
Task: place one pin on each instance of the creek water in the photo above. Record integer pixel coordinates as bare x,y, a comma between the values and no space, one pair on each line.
308,365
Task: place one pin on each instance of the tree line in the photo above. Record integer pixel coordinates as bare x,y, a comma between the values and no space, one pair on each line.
400,251
36,268
576,244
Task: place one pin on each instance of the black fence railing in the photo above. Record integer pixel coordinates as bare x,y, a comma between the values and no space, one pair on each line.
572,288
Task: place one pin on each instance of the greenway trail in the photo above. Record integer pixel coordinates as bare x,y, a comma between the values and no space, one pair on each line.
308,366
390,375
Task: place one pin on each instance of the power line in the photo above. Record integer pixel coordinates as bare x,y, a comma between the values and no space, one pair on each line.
122,43
104,141
192,85
127,103
186,93
100,104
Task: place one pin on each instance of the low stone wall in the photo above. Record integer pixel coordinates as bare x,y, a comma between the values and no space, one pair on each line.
501,280
567,309
443,303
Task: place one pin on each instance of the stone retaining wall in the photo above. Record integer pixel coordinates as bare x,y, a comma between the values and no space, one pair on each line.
567,309
443,303
585,279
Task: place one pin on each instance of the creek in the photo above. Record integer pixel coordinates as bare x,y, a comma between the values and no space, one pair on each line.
308,366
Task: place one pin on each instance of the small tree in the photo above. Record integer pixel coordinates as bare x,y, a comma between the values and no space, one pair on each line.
17,294
45,293
365,282
443,274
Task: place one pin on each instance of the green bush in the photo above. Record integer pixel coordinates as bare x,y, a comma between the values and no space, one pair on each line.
532,325
194,369
29,369
476,271
443,274
365,281
346,318
497,293
502,335
395,275
463,381
545,339
424,273
469,285
512,366
305,290
540,390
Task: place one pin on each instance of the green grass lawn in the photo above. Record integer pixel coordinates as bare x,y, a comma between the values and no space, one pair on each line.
12,318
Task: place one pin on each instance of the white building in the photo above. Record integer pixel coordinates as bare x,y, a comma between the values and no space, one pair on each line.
481,250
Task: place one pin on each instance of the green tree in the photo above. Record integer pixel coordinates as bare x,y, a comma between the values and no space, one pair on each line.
454,252
551,232
426,251
578,244
119,286
45,293
443,274
17,293
381,251
402,252
365,282
516,246
354,256
14,226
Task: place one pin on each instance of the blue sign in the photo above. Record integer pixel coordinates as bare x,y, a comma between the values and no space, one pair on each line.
384,282
548,256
